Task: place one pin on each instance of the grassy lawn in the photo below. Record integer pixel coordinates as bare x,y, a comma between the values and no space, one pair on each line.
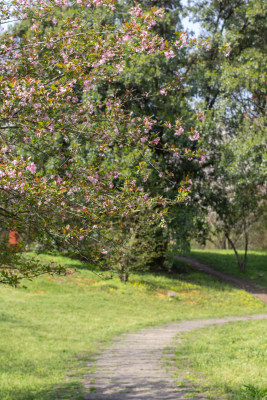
51,328
227,360
225,260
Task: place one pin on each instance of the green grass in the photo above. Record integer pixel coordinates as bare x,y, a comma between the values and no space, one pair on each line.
227,360
49,330
225,260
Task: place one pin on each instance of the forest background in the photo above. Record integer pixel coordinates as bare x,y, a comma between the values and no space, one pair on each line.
216,87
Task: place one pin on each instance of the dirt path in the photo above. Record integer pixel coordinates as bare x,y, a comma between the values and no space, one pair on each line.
133,367
232,280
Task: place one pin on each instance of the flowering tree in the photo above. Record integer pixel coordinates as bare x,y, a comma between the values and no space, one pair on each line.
62,147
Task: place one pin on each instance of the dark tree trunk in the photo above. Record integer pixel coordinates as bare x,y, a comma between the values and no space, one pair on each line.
246,250
240,261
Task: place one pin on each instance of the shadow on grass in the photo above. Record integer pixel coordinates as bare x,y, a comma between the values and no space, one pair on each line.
70,390
75,390
159,389
184,272
225,261
180,270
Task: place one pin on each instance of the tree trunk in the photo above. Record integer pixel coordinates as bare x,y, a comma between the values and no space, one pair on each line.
246,251
223,244
124,273
240,261
241,265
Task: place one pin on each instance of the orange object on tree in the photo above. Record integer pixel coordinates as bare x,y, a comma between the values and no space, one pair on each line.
13,238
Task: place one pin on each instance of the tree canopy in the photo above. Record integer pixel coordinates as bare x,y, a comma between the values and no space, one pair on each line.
75,164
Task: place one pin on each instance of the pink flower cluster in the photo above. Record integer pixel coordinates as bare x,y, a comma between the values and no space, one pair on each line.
195,136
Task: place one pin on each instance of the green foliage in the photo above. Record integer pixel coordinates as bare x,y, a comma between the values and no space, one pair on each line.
143,76
97,130
251,392
229,82
14,266
142,246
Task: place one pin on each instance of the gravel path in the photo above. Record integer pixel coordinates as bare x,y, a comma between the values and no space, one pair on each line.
240,283
134,367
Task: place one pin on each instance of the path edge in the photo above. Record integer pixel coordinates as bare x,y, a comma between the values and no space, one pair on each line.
239,283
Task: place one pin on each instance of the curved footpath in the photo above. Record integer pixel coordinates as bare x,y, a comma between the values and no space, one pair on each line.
134,366
240,283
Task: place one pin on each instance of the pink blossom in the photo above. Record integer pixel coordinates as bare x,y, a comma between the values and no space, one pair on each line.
144,139
104,251
12,173
201,116
169,54
195,136
163,92
32,168
93,180
119,68
136,11
179,131
160,12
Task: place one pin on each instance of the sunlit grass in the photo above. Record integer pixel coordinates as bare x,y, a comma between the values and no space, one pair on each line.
228,359
50,329
225,260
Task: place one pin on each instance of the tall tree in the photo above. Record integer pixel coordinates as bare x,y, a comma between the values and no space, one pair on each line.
156,85
229,82
74,192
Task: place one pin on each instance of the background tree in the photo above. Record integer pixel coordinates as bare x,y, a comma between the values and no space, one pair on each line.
231,88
